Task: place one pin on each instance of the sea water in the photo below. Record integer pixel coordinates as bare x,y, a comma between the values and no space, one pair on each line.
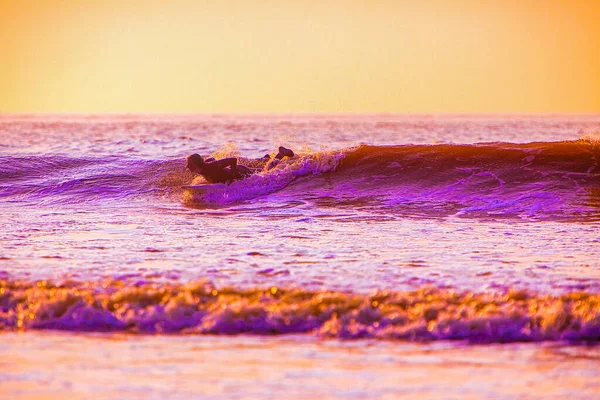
438,256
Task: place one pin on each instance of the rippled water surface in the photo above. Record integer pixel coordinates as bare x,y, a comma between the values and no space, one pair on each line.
203,367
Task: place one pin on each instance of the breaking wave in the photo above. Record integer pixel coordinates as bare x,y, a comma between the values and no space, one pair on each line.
427,314
559,180
555,180
268,180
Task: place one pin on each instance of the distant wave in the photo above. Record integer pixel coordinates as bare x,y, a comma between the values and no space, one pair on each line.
200,308
555,180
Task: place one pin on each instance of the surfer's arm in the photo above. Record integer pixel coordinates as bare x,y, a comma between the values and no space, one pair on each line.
226,162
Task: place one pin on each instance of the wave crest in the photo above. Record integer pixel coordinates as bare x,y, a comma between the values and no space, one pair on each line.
267,181
427,314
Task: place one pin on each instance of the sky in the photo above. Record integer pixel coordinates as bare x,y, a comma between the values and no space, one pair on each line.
184,56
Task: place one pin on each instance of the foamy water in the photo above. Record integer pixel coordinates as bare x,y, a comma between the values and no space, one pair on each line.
478,229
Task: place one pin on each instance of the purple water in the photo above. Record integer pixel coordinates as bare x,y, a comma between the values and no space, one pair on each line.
472,229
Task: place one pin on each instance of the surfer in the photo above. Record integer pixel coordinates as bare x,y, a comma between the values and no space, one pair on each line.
227,169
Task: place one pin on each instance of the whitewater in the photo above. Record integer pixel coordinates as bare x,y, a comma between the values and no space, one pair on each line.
391,248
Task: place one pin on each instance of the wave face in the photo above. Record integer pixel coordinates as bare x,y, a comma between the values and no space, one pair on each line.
499,179
198,307
558,180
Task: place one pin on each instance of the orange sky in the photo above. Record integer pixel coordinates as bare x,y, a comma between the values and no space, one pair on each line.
299,56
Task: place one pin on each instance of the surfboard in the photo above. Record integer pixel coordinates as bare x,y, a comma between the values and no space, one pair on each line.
205,187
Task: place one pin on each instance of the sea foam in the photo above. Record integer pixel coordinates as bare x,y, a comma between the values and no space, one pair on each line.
426,314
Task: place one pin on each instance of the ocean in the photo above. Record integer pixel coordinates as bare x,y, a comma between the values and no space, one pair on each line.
394,256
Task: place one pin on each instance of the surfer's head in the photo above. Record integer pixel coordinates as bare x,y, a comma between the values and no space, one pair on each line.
195,163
